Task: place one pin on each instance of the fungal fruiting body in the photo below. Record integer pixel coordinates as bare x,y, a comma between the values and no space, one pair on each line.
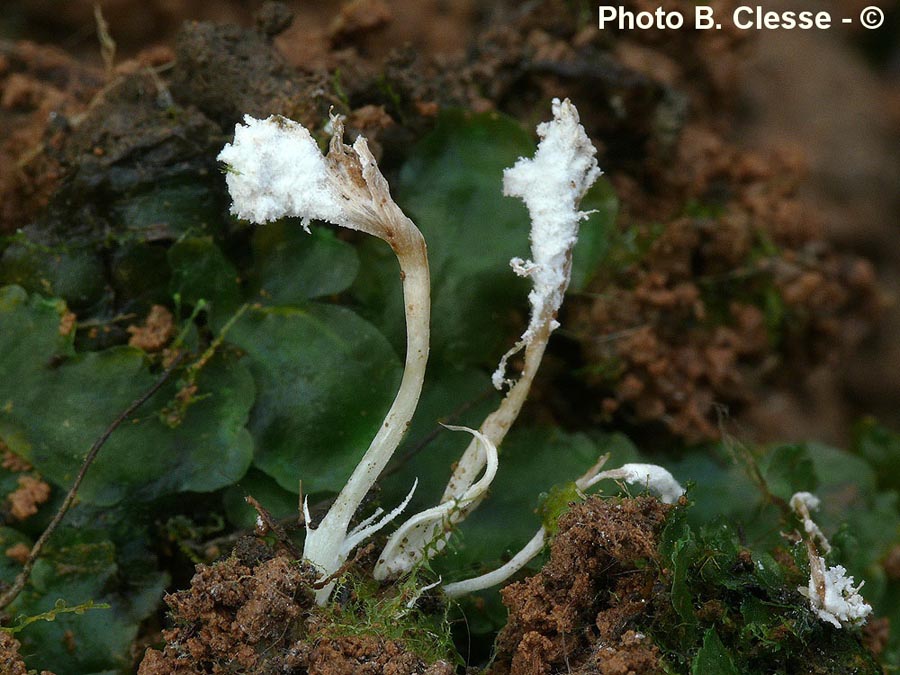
831,593
275,170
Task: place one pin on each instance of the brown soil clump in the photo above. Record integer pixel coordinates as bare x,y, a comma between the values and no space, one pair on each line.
156,332
256,614
718,306
25,499
232,616
41,90
578,614
10,661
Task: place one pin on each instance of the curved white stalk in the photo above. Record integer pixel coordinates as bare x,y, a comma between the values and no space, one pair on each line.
653,477
276,170
552,185
325,545
501,574
412,539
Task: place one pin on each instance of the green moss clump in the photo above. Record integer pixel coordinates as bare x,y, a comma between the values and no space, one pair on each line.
733,610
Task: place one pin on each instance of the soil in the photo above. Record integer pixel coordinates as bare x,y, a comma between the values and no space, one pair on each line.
10,661
578,614
158,329
254,612
41,90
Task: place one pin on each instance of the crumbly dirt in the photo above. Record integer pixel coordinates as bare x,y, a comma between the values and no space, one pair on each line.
11,662
155,333
19,552
254,613
13,462
42,90
578,614
25,499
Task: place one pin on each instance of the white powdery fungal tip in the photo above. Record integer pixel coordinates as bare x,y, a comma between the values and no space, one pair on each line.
654,478
551,184
651,476
801,504
275,169
838,602
807,499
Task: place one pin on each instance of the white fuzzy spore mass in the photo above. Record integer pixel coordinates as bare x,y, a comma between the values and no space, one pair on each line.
551,184
275,169
839,602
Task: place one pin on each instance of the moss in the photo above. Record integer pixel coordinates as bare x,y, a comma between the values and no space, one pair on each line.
401,613
750,598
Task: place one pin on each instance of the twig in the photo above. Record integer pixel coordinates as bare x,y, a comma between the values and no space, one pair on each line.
273,526
107,44
13,591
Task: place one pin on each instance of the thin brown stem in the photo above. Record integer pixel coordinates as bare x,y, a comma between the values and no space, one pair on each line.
270,524
13,591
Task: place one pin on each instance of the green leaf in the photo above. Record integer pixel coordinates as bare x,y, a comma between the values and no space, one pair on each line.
140,276
200,271
789,469
680,547
326,378
292,266
880,447
55,403
718,487
713,658
451,186
75,273
167,210
82,565
595,234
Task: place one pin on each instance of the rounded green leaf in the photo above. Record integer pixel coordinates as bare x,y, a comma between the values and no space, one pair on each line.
325,379
293,265
200,271
54,404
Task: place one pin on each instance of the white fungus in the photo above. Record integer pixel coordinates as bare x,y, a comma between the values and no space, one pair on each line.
651,476
275,169
831,593
802,503
837,600
551,184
